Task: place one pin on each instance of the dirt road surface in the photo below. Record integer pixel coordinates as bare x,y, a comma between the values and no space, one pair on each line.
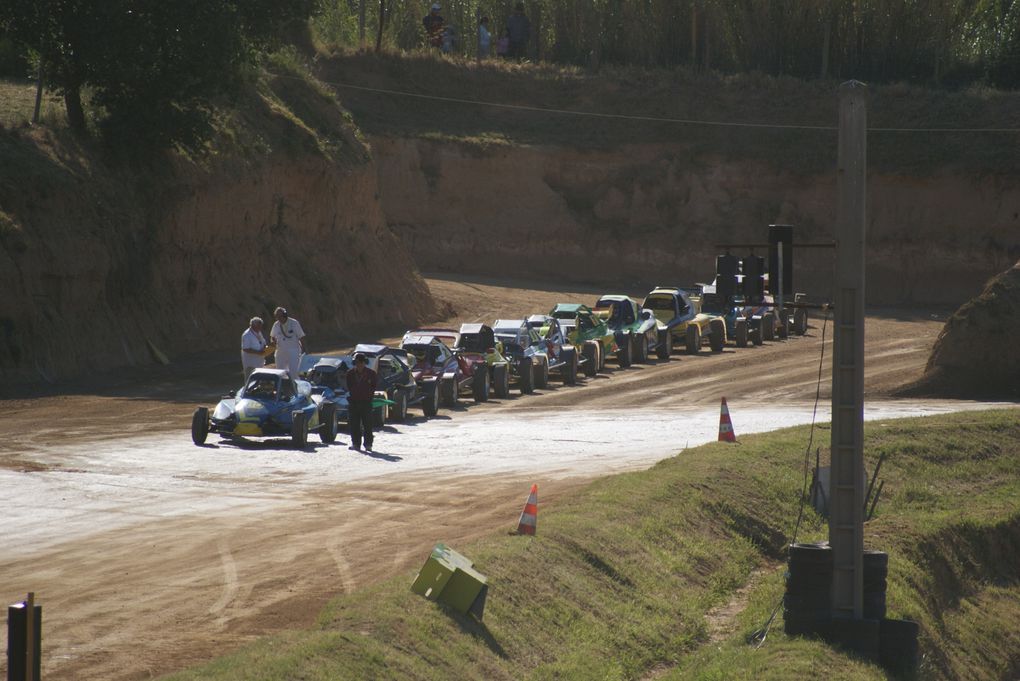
150,554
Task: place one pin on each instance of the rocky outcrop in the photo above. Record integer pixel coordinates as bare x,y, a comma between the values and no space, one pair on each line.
650,214
978,353
102,266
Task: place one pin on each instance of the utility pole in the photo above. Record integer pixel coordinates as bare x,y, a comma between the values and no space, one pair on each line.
38,94
846,520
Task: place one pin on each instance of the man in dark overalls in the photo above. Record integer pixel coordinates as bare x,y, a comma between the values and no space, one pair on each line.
361,382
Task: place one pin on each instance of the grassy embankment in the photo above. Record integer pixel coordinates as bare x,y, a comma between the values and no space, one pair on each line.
618,583
677,94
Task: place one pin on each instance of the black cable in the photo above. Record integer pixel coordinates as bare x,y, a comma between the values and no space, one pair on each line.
757,638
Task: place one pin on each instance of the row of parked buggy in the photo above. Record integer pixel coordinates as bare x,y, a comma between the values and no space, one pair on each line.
433,368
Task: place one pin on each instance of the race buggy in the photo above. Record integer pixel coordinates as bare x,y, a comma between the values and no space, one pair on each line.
434,361
478,341
635,330
527,365
561,356
588,331
395,370
328,376
678,313
269,404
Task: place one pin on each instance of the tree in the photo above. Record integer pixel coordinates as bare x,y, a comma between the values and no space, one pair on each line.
153,66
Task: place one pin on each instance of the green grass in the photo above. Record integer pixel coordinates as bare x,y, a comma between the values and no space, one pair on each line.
618,581
680,94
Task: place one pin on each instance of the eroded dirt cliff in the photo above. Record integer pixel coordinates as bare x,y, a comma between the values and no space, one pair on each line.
101,263
652,214
977,352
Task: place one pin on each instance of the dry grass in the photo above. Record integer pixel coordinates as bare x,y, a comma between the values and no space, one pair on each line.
679,93
17,102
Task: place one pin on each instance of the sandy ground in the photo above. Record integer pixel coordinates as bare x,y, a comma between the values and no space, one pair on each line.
150,554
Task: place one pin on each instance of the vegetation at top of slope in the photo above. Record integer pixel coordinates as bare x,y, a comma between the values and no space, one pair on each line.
955,41
151,69
618,581
676,94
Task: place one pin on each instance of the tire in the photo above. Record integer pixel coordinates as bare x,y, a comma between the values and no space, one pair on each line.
602,357
299,429
543,375
800,319
756,334
200,425
741,333
480,389
526,380
693,339
398,412
591,359
662,348
327,427
718,338
640,349
379,416
570,367
784,327
768,327
448,392
430,403
501,380
623,353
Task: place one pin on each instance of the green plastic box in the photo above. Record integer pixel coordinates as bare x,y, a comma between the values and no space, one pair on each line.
450,578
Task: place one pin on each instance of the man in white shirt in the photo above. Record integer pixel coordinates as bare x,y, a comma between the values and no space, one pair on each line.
287,337
253,347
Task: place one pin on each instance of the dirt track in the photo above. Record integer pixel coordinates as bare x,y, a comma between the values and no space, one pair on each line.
150,555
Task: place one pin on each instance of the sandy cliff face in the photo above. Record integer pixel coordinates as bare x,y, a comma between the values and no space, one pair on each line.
96,266
651,214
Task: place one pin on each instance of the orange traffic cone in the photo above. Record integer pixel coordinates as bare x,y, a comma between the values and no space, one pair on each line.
726,433
529,516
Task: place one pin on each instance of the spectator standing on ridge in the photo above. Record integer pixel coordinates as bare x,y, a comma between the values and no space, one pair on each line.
361,383
253,347
288,338
434,24
519,29
484,38
449,40
503,45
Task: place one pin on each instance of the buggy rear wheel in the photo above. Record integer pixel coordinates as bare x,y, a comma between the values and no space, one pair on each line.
448,392
543,375
526,377
623,352
570,368
768,327
662,349
740,331
501,380
717,339
299,429
591,359
327,426
398,411
480,388
693,339
800,317
200,425
430,403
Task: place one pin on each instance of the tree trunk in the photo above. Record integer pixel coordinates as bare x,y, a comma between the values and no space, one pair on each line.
361,23
75,112
825,43
382,24
694,33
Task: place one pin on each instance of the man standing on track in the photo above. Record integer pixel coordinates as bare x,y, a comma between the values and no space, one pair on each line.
288,338
361,382
253,347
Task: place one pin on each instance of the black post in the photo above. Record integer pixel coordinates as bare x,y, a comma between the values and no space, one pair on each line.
17,642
